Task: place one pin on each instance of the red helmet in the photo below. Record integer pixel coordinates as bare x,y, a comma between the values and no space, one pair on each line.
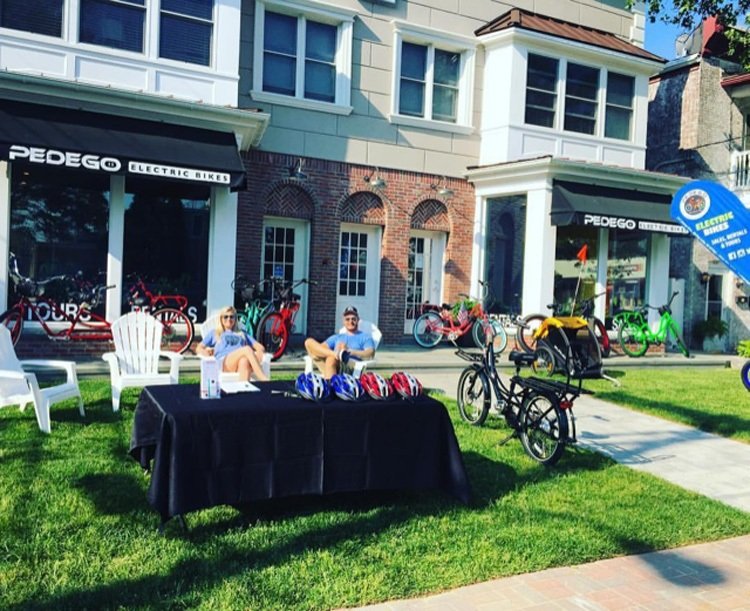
376,385
406,384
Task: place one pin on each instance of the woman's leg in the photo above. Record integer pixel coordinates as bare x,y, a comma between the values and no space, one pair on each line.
244,362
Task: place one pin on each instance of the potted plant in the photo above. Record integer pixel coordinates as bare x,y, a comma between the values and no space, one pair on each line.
710,333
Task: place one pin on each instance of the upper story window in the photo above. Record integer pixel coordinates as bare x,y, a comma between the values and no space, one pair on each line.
433,76
541,90
619,116
429,82
585,108
186,30
303,55
36,16
581,92
113,23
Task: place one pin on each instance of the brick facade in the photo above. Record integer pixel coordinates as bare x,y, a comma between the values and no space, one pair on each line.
337,192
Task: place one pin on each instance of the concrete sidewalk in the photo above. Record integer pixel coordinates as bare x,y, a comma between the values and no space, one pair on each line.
706,576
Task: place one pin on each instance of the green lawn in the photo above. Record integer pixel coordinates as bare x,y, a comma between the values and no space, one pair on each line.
708,398
77,532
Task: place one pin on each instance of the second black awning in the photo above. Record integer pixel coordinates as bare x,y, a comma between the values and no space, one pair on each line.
65,137
580,204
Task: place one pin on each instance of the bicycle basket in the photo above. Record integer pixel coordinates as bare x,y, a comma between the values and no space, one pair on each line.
28,288
248,293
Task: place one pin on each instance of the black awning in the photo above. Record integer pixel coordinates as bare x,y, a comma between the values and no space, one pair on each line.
580,204
64,137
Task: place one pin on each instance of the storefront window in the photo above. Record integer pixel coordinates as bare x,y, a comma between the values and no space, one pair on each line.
166,241
503,247
626,270
573,270
58,222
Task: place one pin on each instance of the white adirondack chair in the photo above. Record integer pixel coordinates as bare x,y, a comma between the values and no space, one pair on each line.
19,387
227,376
135,361
359,366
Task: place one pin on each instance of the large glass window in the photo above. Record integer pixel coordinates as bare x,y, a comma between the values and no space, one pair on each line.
186,30
278,252
285,45
620,91
714,302
581,90
571,272
626,270
428,73
541,90
58,221
503,267
113,23
166,240
37,16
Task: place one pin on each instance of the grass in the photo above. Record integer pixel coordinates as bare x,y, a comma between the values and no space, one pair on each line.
79,534
710,399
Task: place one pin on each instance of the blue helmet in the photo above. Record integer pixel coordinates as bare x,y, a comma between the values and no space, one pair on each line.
346,387
312,386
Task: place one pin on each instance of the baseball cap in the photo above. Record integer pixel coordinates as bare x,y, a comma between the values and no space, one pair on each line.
351,310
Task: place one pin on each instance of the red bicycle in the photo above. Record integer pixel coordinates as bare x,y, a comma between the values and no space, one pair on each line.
169,309
41,300
275,327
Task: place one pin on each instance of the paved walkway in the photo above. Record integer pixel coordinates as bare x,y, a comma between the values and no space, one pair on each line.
706,576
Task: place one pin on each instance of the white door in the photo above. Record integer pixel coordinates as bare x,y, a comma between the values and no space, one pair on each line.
359,271
424,279
285,255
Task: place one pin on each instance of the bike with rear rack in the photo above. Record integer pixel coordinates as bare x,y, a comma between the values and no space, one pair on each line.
538,411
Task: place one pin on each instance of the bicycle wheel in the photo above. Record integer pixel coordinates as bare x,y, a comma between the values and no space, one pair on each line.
545,360
632,339
544,429
525,333
745,373
178,330
474,396
499,336
600,333
680,343
13,320
428,330
273,334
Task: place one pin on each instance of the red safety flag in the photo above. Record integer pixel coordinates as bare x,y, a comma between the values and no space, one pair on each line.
583,254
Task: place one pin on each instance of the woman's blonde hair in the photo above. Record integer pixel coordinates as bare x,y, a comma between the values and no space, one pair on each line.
222,312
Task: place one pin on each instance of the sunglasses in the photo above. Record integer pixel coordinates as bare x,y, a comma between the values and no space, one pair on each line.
229,317
350,318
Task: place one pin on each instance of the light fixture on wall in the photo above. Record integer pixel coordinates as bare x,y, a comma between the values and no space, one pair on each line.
375,180
296,172
442,188
739,283
705,277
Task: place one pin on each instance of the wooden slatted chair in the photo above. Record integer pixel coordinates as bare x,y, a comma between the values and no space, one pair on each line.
20,387
135,361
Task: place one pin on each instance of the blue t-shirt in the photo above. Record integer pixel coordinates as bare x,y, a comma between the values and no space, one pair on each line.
228,342
356,341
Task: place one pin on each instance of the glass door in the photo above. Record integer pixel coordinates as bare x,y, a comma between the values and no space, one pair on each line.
359,270
423,276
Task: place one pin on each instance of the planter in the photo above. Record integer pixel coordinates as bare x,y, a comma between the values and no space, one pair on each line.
714,344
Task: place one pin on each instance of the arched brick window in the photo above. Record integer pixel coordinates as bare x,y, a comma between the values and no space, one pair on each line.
430,215
289,200
363,207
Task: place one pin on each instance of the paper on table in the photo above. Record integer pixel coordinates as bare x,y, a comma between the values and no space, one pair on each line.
233,387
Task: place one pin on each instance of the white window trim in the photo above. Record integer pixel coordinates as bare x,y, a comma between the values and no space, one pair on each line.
605,87
465,46
342,18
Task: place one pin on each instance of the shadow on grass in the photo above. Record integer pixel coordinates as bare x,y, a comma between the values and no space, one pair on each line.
112,494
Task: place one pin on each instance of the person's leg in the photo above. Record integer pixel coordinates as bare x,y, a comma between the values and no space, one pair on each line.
233,359
324,358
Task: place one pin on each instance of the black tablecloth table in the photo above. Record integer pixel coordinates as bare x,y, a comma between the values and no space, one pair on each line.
261,445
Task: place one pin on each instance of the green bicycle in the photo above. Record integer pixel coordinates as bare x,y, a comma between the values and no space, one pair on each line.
635,335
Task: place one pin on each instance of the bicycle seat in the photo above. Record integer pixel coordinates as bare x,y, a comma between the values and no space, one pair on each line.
522,358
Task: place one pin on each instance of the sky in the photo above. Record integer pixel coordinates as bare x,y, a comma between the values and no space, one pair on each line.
660,39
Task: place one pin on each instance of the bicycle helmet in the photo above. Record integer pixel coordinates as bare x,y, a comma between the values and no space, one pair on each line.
312,386
406,384
376,386
346,387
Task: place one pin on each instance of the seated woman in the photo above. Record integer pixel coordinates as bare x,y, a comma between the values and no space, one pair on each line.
233,348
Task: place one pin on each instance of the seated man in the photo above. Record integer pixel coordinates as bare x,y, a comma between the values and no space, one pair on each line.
341,347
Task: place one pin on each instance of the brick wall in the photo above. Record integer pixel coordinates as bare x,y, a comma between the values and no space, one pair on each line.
337,192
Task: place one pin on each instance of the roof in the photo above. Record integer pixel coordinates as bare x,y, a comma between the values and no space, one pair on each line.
519,18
